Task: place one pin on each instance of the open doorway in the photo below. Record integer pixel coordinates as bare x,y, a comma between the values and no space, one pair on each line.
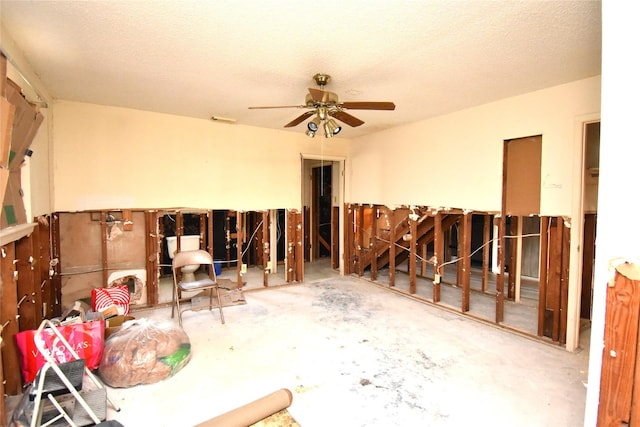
591,165
321,237
322,201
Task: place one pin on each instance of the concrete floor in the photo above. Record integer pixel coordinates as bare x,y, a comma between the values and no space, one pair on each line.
355,353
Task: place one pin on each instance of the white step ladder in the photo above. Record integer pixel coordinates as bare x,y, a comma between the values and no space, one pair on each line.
61,383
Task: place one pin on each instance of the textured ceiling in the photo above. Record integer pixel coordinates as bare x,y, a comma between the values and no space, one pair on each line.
204,58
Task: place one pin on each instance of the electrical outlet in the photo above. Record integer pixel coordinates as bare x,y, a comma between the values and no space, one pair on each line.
436,279
269,265
243,269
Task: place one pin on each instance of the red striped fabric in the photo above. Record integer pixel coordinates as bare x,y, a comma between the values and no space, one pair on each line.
105,297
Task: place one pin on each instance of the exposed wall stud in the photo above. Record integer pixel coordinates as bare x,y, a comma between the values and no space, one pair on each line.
413,227
392,248
374,243
438,252
466,260
500,277
542,282
266,248
361,246
486,237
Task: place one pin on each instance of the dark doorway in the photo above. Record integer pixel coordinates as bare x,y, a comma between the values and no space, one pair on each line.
321,211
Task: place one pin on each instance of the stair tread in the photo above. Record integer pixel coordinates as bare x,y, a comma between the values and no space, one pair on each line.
73,371
97,401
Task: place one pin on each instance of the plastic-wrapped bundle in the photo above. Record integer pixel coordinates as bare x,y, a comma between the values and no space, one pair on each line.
144,352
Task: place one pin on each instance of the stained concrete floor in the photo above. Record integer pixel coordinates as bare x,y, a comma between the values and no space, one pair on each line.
355,354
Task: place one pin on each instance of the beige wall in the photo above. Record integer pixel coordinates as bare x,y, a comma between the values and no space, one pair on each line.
456,160
109,157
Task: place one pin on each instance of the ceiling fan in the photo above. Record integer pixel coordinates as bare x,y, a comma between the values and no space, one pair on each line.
325,106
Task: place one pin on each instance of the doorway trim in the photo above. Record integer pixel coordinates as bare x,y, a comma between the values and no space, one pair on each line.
339,162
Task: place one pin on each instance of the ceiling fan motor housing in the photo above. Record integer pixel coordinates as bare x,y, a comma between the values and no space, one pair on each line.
322,79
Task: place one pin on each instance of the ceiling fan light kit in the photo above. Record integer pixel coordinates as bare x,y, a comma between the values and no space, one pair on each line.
326,107
314,124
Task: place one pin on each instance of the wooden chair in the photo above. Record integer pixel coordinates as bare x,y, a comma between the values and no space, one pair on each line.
180,259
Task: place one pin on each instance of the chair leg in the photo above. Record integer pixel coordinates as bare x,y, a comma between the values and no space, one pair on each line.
220,305
173,301
177,305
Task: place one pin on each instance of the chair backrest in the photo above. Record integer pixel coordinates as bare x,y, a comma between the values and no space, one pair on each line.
182,258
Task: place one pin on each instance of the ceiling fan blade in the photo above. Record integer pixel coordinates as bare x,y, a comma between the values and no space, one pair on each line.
299,119
319,95
368,105
278,106
346,117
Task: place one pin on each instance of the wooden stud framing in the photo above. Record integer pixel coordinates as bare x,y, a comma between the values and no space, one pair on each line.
392,248
335,237
438,252
47,285
179,233
9,319
542,287
266,248
311,255
299,247
446,248
423,260
555,276
564,281
211,234
413,230
103,239
466,261
152,254
348,239
588,255
500,278
457,256
56,280
3,409
290,246
206,241
43,265
346,255
295,248
513,258
360,245
38,280
486,237
179,229
374,243
203,230
239,244
30,313
228,234
459,251
127,220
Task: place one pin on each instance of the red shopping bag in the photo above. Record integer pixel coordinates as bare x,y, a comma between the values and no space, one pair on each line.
86,339
102,298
